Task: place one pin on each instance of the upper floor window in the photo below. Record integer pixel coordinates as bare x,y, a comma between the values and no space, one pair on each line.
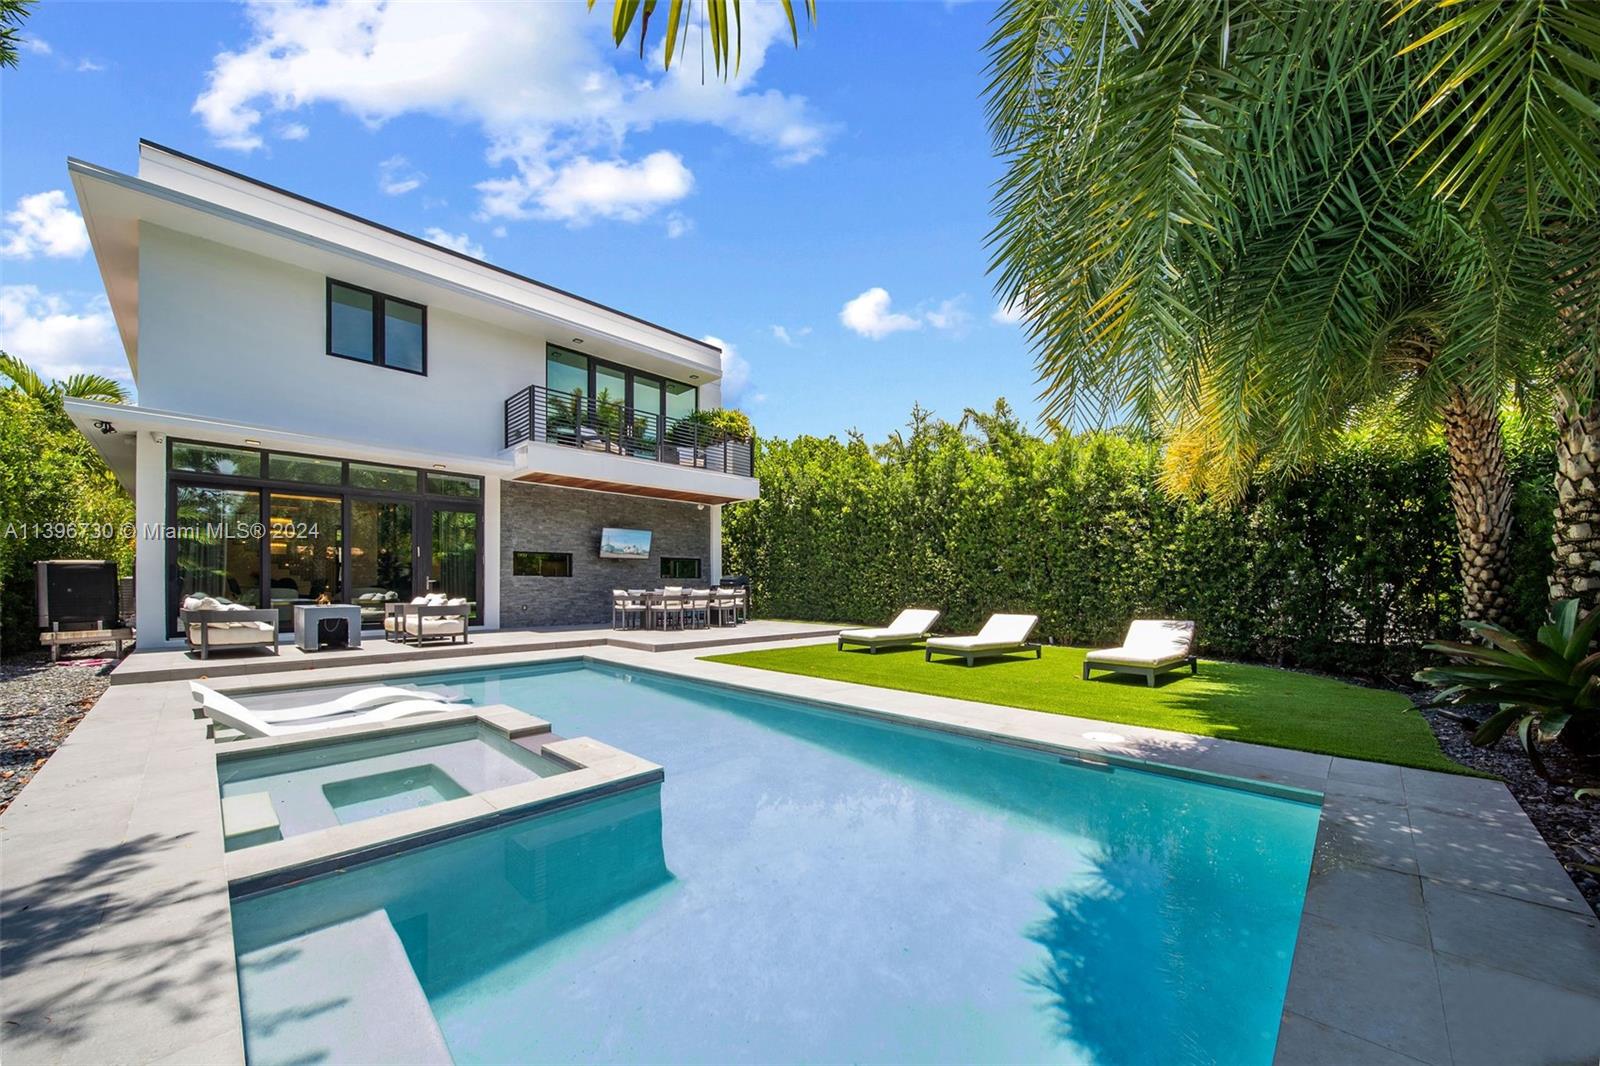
570,375
378,329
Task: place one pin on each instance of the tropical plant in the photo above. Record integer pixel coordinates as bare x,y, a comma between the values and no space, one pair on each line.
1217,221
1546,688
1512,123
722,422
12,14
77,387
722,25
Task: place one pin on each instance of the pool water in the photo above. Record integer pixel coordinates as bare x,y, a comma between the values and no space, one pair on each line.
808,885
335,783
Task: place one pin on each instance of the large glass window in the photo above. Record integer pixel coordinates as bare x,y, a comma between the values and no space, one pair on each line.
375,328
305,551
218,545
350,320
380,556
454,564
305,468
209,459
270,529
388,478
582,392
681,401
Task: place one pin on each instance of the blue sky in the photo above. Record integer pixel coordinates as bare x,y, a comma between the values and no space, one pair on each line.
823,214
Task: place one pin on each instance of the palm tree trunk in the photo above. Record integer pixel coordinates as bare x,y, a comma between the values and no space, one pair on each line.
1577,534
1481,490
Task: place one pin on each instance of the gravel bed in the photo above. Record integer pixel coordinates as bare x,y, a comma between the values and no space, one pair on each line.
1571,827
40,704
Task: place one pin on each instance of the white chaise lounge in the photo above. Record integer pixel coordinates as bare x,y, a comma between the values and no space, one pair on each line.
912,625
349,703
1002,634
231,713
1152,646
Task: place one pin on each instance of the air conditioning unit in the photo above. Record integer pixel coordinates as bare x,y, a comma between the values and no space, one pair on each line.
78,594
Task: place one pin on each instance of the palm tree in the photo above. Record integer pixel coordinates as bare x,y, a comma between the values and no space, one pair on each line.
1512,114
1214,218
26,380
721,22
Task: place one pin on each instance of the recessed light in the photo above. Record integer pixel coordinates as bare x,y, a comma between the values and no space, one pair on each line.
438,466
694,377
247,440
577,340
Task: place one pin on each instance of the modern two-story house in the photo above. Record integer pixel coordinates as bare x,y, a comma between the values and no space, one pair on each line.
328,407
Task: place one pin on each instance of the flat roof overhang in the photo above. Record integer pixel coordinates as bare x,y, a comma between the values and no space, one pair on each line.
114,204
596,471
117,447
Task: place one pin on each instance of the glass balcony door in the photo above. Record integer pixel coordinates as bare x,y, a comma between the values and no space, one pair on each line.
217,550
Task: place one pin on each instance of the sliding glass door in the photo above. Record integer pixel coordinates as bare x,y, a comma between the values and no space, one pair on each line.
217,549
453,554
381,538
304,550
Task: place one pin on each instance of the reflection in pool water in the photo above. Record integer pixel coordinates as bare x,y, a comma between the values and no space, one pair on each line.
815,886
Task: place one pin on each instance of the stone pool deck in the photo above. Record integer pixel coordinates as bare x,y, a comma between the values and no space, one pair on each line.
1438,928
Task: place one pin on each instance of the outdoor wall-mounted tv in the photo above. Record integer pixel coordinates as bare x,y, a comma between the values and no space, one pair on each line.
624,543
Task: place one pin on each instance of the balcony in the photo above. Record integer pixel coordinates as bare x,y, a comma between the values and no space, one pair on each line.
633,451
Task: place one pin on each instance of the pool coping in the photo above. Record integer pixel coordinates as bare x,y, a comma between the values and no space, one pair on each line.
594,770
1429,894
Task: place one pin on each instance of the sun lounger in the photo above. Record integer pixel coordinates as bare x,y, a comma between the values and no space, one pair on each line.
360,700
910,627
1152,646
233,714
1002,634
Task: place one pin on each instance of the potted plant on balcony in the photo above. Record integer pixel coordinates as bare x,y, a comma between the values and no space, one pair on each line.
703,435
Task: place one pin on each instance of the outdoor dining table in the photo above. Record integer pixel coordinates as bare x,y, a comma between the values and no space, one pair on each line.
720,606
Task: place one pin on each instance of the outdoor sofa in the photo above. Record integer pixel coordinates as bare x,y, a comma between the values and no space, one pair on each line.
209,624
431,617
1002,634
912,625
1153,646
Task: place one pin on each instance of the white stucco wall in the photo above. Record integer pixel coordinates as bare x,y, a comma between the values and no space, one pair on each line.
149,549
243,338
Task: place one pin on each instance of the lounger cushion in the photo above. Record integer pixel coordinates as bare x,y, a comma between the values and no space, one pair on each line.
1150,642
887,635
234,633
972,644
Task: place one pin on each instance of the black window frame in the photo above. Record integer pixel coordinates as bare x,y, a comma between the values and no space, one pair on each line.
593,362
379,302
667,560
423,502
544,556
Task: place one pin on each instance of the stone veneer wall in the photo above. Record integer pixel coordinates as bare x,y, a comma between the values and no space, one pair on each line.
550,519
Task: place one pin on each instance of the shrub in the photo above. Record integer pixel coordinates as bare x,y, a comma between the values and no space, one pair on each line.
1349,568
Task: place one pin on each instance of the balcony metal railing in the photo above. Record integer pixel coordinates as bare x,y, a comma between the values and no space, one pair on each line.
575,420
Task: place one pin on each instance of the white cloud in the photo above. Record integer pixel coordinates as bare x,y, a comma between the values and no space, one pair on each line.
735,374
396,176
585,189
58,339
44,224
89,66
294,131
37,45
792,338
950,315
458,242
555,100
499,231
1009,315
870,316
679,224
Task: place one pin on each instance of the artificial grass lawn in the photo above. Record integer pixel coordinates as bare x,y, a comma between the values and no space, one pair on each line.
1255,704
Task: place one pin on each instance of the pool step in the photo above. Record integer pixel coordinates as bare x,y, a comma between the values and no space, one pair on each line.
342,994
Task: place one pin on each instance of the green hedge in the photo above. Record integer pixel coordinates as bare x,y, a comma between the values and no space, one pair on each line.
1347,568
56,498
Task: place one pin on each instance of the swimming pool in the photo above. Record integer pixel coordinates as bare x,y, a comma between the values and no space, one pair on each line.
810,885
